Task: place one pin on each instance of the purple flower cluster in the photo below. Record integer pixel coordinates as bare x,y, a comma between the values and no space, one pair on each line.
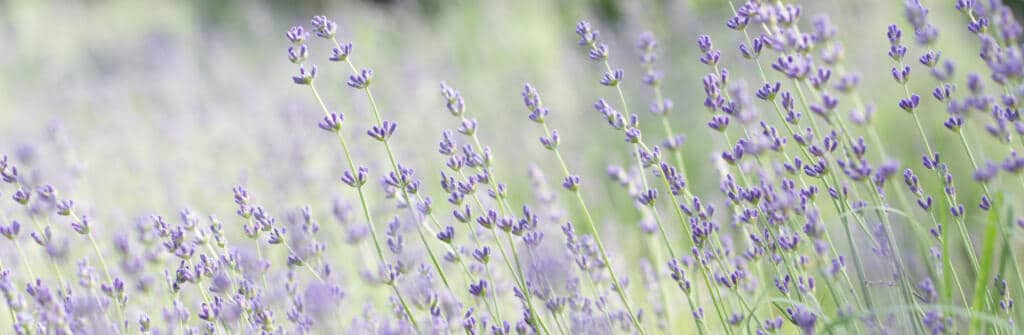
806,233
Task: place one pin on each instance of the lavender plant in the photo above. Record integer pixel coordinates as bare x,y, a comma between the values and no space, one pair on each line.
812,227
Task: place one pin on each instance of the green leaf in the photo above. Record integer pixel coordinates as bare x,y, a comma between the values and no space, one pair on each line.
988,248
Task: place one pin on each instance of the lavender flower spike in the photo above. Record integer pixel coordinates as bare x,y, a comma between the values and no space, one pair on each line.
361,80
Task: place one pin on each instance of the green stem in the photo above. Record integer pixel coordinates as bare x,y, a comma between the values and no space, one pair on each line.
597,240
365,208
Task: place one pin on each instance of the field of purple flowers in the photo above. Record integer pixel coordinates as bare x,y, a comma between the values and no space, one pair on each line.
590,167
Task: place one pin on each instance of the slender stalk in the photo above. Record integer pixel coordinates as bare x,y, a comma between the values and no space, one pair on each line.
625,107
839,209
304,263
106,271
40,228
365,208
502,206
597,240
405,193
951,200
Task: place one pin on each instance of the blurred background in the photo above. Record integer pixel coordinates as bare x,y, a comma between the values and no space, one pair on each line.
141,107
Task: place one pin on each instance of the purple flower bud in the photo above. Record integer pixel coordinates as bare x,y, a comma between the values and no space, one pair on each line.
662,107
647,42
390,273
1013,164
482,255
531,98
895,34
464,215
957,210
65,207
942,93
910,104
403,178
356,180
425,206
456,162
802,318
901,76
533,238
978,27
488,220
974,83
734,156
588,36
467,127
81,227
965,5
304,78
598,52
454,101
42,238
47,192
144,323
340,54
674,143
115,290
648,197
612,78
711,57
930,162
820,78
927,34
478,289
847,83
550,143
332,122
769,91
9,173
719,122
793,66
539,115
985,173
572,183
737,22
753,51
506,223
22,196
824,30
241,195
324,28
650,157
11,231
447,234
361,80
296,35
652,77
704,43
633,135
930,58
447,146
298,55
384,131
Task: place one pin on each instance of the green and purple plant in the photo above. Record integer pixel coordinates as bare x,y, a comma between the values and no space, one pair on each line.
811,228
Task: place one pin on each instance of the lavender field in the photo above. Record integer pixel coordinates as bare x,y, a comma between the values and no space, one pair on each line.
513,167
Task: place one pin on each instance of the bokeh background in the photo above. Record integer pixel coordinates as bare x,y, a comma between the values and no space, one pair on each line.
134,108
139,107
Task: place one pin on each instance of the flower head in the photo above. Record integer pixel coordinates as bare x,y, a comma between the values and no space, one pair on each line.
361,80
324,27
